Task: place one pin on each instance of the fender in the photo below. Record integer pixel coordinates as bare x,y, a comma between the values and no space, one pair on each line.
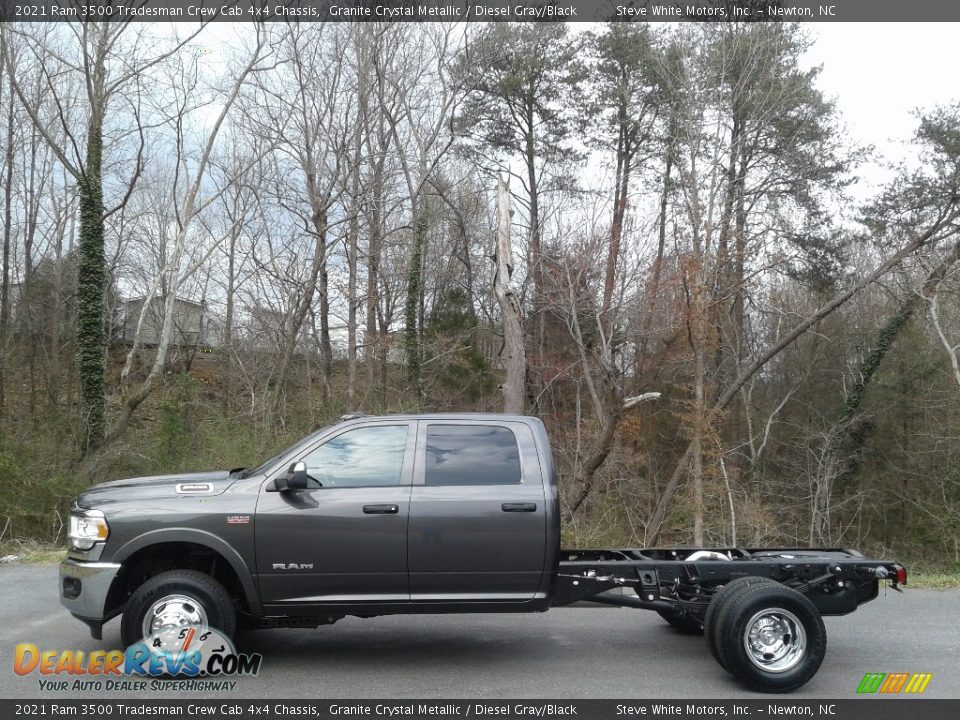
198,537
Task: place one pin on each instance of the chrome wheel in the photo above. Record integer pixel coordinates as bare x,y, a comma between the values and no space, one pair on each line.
173,611
775,640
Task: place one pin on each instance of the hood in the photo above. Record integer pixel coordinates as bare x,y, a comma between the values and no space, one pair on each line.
141,488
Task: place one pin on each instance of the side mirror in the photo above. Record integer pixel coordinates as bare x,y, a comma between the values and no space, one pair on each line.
296,478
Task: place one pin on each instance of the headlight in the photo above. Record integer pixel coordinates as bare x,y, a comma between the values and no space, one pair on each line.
86,528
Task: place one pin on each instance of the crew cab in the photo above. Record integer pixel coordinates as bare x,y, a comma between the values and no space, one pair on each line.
441,513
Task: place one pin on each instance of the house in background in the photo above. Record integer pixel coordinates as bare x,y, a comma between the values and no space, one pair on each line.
265,329
189,321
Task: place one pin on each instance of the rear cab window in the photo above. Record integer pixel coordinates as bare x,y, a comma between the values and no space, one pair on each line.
471,455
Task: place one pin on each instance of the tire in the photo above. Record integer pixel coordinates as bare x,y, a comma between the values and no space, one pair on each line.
717,604
683,623
771,638
202,599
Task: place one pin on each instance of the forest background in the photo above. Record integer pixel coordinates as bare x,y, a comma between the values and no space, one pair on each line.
657,239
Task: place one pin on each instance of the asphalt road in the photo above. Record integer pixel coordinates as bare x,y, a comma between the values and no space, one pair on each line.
564,653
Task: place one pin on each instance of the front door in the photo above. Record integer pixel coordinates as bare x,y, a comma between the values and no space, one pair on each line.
344,539
478,514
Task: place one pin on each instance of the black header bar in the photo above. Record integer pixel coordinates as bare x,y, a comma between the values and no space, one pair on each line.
481,10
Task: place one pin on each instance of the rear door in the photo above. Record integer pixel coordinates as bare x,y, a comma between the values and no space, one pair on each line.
477,513
346,540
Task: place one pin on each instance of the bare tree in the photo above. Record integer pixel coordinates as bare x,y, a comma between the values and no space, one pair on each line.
524,76
418,95
187,208
512,355
7,232
109,61
313,133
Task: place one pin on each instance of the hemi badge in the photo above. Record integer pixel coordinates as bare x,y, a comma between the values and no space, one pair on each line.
238,519
193,488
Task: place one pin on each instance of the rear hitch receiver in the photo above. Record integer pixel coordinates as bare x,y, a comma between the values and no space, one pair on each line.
899,575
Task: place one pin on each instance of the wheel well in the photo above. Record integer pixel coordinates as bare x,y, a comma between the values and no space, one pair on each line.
155,559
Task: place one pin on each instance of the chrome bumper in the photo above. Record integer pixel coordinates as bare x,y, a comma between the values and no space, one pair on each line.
84,587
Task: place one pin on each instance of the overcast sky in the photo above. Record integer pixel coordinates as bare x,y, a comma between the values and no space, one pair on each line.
879,73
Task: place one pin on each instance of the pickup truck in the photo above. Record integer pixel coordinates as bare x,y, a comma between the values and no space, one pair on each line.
428,514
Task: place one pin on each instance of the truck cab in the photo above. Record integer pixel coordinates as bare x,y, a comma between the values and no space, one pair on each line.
372,515
431,511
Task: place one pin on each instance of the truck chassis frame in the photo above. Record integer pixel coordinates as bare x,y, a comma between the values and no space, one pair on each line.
683,581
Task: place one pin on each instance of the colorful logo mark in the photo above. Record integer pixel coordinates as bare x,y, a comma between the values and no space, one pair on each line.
892,683
189,651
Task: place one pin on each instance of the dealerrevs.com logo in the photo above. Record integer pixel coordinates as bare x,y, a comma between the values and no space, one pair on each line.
894,683
192,657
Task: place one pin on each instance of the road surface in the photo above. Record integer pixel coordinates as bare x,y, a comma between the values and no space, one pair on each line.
578,652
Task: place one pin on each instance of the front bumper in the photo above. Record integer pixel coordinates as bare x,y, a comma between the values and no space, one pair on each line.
84,587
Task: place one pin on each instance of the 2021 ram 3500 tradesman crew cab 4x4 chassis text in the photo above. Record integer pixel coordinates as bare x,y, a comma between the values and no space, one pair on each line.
428,514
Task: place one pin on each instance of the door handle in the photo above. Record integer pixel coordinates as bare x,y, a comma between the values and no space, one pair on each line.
381,509
519,507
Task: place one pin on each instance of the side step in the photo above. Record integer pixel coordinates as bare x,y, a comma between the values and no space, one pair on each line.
275,622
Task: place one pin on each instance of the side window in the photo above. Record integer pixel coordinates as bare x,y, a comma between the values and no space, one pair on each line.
471,455
364,457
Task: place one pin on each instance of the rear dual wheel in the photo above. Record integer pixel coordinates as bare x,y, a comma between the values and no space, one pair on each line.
768,636
719,603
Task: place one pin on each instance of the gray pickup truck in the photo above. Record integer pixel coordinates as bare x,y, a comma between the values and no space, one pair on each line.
428,514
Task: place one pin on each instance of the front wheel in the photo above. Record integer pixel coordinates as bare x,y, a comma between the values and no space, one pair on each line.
771,638
176,599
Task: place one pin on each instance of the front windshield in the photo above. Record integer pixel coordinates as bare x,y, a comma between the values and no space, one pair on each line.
267,464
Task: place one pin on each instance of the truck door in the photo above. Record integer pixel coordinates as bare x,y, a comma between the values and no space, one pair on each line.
343,540
477,513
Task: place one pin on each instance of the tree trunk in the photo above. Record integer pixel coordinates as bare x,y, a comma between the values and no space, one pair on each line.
326,349
91,282
729,194
536,255
620,194
737,423
412,330
653,293
372,342
353,236
7,233
698,320
228,322
599,451
699,428
603,442
513,353
352,243
31,210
